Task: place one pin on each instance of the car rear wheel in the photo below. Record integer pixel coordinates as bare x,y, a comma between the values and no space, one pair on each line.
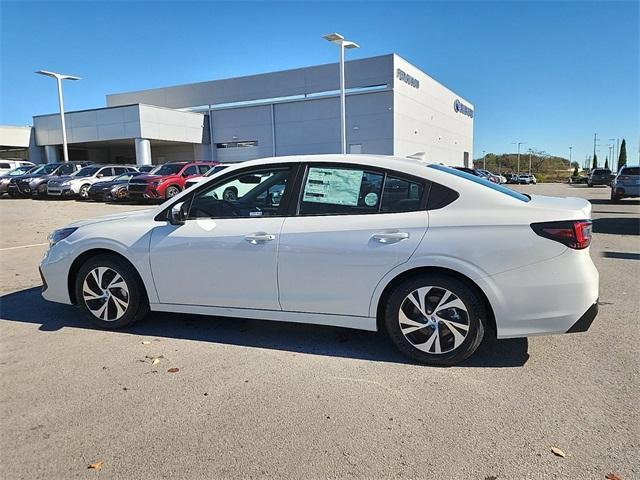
435,319
110,292
614,197
171,191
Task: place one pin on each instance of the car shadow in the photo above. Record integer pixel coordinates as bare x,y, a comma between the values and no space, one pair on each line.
28,306
617,225
606,201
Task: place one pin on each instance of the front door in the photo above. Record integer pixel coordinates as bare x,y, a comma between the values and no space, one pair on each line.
353,226
226,252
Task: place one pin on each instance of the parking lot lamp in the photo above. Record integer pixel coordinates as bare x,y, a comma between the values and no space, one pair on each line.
570,148
484,159
59,77
339,40
519,143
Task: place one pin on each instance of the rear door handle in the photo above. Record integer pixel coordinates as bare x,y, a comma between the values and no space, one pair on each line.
390,237
259,237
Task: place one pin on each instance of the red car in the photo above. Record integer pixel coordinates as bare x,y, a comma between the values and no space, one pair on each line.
167,180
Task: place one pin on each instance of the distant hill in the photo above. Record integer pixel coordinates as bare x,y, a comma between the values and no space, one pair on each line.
541,163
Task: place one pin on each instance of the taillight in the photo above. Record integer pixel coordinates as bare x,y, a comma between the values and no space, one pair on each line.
623,178
574,234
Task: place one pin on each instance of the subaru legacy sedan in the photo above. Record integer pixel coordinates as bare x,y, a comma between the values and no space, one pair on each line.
435,257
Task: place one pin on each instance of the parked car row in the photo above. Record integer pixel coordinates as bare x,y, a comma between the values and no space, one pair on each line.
87,181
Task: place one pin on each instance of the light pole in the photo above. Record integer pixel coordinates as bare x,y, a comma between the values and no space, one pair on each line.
342,43
530,161
484,159
570,148
519,143
613,154
59,77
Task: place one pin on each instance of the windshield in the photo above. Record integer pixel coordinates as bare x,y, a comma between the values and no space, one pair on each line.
167,169
45,169
215,170
125,176
481,181
630,171
86,171
19,171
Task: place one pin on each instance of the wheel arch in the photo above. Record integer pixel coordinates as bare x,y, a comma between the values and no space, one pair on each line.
88,254
416,271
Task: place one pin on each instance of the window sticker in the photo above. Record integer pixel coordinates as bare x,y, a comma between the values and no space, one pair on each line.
335,186
371,199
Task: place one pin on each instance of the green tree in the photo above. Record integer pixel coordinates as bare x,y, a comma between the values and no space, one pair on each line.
606,162
595,161
576,172
622,159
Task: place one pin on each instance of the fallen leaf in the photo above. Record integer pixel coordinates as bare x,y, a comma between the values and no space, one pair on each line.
146,342
558,452
155,361
96,465
173,370
613,476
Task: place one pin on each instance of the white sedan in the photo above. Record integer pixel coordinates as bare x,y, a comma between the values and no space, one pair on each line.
434,256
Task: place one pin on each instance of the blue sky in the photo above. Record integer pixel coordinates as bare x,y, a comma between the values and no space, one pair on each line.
548,73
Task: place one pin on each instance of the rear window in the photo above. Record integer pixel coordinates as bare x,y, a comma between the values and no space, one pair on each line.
601,171
481,181
630,171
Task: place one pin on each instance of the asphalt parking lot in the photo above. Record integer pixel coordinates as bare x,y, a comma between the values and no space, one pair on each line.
258,399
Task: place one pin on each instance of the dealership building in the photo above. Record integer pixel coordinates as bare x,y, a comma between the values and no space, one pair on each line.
392,108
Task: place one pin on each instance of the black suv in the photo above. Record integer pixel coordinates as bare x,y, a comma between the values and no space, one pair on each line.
34,183
599,176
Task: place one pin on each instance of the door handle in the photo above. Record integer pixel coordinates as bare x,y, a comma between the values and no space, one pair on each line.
390,237
259,237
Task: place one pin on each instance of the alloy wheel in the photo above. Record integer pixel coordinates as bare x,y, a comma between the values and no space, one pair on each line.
84,191
434,320
105,294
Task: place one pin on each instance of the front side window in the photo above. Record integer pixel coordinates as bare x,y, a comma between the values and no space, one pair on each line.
254,193
191,170
66,169
339,190
120,170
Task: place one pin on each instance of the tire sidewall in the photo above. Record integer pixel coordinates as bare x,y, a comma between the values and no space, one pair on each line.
137,298
169,189
475,310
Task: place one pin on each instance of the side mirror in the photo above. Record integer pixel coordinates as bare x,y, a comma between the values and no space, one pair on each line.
178,214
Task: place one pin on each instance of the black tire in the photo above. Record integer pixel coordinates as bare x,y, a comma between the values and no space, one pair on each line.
138,304
171,191
84,192
230,194
615,198
472,302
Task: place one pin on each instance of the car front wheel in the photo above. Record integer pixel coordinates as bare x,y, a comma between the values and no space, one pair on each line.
435,319
84,192
110,292
171,191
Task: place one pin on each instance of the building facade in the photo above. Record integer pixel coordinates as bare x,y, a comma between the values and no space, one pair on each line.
392,108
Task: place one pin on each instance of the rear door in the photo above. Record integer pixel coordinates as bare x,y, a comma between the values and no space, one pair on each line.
351,226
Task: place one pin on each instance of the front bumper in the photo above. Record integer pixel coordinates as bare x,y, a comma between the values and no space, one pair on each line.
60,192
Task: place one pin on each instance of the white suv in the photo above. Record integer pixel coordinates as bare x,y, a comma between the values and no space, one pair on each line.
77,185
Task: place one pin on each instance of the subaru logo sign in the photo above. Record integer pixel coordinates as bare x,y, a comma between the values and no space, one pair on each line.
460,107
408,79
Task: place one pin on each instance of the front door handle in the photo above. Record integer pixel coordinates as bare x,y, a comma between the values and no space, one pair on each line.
390,237
259,237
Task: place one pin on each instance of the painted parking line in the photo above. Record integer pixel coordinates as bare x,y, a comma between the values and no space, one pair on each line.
24,246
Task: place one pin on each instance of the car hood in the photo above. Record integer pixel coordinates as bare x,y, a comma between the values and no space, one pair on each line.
109,183
114,216
149,178
34,177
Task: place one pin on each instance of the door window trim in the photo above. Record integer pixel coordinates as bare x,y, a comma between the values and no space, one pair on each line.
286,198
299,190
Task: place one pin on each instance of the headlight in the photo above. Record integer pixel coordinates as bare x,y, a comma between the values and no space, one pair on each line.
61,234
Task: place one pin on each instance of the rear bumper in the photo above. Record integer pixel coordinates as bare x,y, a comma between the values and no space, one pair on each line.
556,296
626,190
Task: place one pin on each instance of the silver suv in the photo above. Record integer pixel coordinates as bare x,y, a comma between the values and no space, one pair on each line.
626,184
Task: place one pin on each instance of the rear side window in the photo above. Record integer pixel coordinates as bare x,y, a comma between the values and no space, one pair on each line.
203,169
630,171
340,191
5,165
481,181
401,195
